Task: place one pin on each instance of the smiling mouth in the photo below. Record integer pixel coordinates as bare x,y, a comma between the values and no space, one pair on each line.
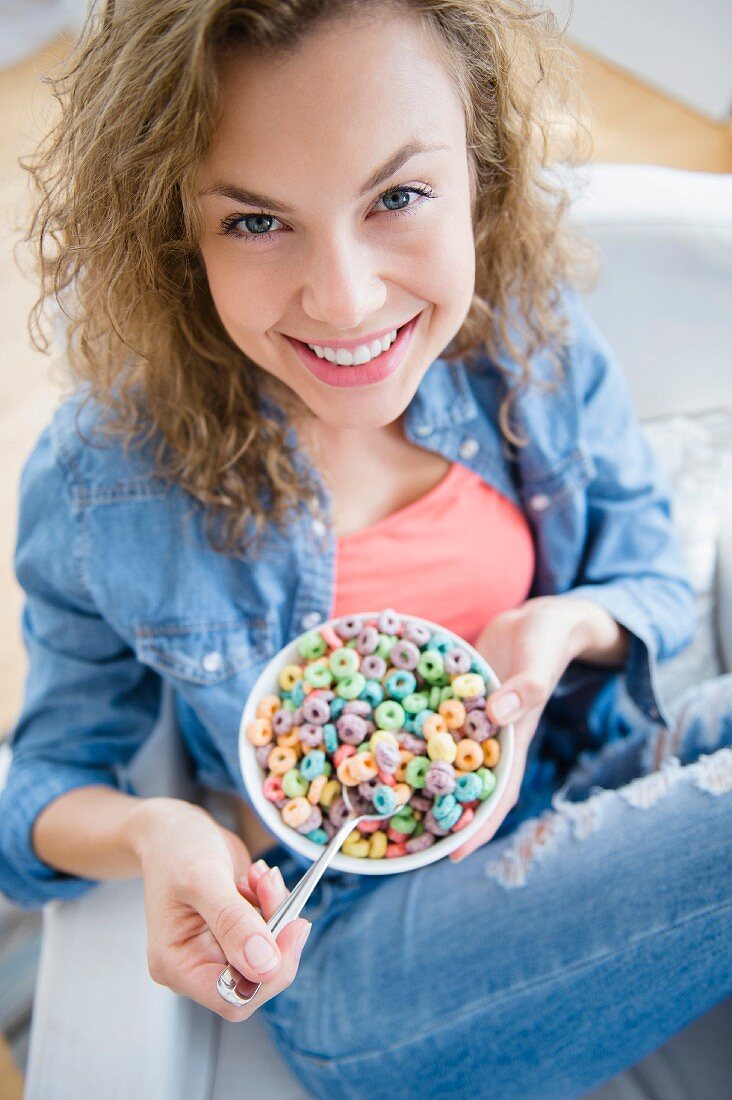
352,351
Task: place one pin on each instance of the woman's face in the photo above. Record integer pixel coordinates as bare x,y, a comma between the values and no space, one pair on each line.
344,247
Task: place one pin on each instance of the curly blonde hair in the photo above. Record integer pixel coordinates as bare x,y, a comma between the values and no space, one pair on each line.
117,224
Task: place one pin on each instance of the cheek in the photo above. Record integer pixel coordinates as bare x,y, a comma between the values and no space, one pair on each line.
243,301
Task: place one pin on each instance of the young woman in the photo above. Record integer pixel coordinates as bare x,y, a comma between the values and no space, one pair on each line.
242,206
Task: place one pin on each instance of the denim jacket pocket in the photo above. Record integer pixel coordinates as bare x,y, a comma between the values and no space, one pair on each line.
204,653
544,489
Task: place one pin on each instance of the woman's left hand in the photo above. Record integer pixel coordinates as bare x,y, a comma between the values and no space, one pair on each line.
529,648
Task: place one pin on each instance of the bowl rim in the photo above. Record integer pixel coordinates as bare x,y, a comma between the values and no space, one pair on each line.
309,849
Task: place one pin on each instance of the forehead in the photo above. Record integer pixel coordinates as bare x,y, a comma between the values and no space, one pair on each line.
351,92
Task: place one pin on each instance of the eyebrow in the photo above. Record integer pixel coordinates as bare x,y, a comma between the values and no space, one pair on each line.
380,175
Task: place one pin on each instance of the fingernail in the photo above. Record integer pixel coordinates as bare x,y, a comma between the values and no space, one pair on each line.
275,878
260,867
260,954
303,938
506,706
456,859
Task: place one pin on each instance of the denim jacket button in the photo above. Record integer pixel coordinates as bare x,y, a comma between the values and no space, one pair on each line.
540,501
311,620
318,528
212,662
423,429
469,448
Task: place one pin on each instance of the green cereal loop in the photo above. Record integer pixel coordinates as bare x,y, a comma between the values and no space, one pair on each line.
319,676
418,829
344,662
365,746
312,645
384,645
351,643
389,715
416,770
435,697
403,824
350,687
489,782
294,784
431,665
416,702
288,704
446,693
327,768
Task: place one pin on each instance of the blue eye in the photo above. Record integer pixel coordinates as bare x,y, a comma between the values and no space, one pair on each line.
229,226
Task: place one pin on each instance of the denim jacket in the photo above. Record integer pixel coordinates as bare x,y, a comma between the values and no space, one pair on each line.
123,591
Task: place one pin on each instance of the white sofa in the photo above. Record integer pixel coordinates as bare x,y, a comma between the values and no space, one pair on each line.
101,1028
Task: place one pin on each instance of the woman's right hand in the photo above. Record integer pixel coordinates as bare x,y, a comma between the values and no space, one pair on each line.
201,893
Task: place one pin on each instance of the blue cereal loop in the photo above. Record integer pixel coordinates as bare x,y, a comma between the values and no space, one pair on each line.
330,736
384,799
298,693
373,693
468,787
336,707
401,683
318,835
313,765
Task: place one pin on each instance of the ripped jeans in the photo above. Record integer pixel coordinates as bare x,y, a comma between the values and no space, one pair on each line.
591,929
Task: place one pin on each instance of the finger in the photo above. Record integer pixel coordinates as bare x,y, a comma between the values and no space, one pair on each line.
516,697
238,928
271,891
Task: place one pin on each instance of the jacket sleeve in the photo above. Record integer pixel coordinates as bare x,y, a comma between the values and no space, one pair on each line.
632,564
88,703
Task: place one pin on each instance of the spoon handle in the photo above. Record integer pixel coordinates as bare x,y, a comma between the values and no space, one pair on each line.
230,982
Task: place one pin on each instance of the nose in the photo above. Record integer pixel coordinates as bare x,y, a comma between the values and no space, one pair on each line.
342,287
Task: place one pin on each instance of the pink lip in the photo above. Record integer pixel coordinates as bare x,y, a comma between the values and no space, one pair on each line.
347,345
364,375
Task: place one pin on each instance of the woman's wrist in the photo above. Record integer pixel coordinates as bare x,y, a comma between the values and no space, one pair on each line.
148,815
596,637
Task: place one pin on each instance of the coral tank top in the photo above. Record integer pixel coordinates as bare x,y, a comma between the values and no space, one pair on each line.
458,556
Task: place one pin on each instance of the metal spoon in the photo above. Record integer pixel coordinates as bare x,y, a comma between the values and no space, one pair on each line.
234,987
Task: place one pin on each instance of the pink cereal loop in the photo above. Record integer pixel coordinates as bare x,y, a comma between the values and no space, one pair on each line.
328,634
272,788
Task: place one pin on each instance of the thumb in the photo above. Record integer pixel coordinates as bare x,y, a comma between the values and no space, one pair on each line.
515,697
242,934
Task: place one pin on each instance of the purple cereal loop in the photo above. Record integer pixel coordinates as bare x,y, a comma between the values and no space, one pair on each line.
281,802
373,667
329,827
367,788
367,640
311,735
419,843
387,756
457,660
359,707
361,804
389,622
349,628
415,632
297,717
351,729
312,821
338,811
421,802
404,654
262,754
440,778
477,702
411,742
457,736
477,725
431,825
315,710
282,721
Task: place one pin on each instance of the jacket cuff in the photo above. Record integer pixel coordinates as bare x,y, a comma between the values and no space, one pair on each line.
24,878
640,672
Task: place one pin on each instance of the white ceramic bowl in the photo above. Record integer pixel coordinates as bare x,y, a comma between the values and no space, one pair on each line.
254,776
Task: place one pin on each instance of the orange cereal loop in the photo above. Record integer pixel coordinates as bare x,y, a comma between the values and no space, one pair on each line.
433,723
296,811
403,793
259,732
281,759
291,739
364,766
316,789
469,754
454,713
491,752
345,774
268,706
400,773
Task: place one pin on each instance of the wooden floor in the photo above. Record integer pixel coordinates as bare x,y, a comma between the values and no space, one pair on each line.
630,123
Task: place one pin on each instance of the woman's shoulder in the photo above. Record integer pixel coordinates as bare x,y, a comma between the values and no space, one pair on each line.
91,460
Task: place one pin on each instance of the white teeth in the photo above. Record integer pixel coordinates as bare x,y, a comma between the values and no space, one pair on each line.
364,353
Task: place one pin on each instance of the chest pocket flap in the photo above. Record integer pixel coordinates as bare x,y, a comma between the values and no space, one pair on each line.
204,653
